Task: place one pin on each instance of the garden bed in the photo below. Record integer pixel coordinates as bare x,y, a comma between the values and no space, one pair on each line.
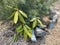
52,39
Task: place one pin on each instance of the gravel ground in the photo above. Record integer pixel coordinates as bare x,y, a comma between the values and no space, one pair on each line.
52,39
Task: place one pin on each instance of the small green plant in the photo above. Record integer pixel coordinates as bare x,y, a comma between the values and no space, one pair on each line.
24,28
35,21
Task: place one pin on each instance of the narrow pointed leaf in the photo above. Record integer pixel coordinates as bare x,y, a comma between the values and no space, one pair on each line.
32,19
40,23
11,15
24,14
16,17
11,7
27,32
21,19
18,29
21,31
37,17
34,24
29,29
25,35
15,37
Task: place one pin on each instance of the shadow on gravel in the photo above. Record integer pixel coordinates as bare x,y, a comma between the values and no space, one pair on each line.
40,41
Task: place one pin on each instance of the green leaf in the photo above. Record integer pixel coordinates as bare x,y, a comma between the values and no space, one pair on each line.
40,23
34,24
32,19
21,19
24,14
21,31
15,37
11,15
29,29
18,29
16,17
27,32
25,35
11,7
37,17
